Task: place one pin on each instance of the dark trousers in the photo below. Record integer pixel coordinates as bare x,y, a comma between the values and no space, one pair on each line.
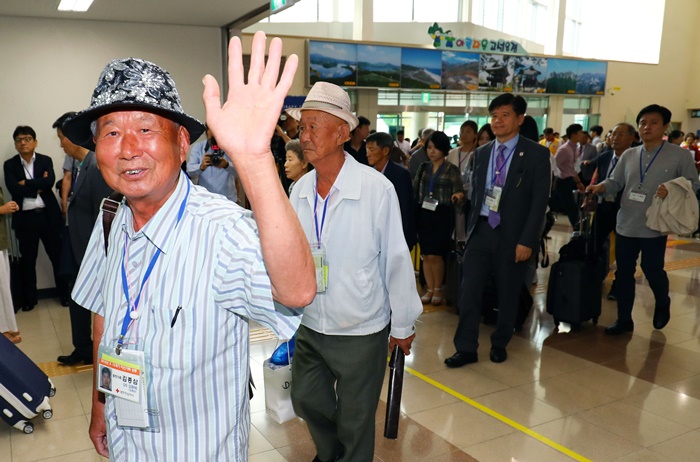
81,329
627,250
336,383
80,318
486,254
31,227
565,192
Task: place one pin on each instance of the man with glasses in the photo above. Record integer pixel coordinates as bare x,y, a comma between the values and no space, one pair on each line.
29,177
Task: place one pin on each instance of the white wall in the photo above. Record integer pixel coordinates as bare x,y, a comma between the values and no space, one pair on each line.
50,66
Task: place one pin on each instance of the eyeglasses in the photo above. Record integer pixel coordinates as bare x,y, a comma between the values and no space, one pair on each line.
24,139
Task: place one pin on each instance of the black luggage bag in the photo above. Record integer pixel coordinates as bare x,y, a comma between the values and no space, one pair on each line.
575,286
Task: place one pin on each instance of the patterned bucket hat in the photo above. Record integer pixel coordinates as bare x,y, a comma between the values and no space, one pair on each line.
136,84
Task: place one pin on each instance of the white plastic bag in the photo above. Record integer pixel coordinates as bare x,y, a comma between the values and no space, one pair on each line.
278,391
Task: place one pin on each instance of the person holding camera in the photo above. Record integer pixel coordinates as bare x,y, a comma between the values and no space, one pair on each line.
213,168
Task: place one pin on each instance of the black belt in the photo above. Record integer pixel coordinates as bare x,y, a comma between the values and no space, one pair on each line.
41,210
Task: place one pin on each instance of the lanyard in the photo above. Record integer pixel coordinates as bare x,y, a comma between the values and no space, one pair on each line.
643,175
434,176
31,177
497,170
132,310
319,230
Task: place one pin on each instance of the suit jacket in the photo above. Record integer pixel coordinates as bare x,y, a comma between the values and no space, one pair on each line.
14,173
84,206
603,163
525,193
401,180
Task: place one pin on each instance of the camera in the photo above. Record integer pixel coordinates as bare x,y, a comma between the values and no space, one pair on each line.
216,152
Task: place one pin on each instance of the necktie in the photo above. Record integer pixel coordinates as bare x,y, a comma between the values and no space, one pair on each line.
613,163
495,217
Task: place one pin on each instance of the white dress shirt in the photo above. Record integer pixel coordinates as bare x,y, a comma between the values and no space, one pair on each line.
370,275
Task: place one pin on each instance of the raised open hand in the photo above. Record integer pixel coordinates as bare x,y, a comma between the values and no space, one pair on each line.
244,125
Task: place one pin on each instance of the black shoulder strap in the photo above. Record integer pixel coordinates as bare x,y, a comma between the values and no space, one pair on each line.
109,208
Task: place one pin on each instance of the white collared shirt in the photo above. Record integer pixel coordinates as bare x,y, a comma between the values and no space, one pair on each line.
370,274
30,203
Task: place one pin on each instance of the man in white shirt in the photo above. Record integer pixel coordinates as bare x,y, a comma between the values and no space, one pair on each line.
213,167
341,346
401,142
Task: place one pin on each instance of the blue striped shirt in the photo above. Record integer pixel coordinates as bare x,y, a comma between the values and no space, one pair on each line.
212,266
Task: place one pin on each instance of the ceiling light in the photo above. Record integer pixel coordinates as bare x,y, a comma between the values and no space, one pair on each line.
74,5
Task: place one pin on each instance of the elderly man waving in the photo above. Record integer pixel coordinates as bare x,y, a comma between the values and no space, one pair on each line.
185,269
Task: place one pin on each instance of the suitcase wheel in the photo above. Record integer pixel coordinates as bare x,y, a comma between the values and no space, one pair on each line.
47,414
28,428
52,392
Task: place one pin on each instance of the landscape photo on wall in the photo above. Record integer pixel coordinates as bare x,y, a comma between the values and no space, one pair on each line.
460,70
590,78
421,68
561,76
529,74
378,66
333,62
495,73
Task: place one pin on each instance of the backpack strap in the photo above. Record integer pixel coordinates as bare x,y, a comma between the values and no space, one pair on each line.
109,208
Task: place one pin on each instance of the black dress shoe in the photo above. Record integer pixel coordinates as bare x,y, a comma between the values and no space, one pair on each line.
611,295
661,317
65,301
461,358
28,308
73,359
619,328
498,354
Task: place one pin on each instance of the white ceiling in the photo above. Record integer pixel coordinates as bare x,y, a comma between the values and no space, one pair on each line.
184,12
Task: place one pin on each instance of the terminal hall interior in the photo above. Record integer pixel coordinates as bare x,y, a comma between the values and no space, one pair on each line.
565,392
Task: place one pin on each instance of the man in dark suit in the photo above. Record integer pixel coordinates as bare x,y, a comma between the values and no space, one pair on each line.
605,218
511,183
379,146
84,199
356,146
29,177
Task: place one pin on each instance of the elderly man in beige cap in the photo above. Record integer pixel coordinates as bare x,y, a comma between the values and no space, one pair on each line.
351,217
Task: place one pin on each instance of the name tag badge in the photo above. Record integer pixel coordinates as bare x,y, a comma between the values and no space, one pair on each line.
430,204
493,198
318,252
120,376
638,196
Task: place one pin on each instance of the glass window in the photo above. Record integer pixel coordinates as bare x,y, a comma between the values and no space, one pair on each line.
637,37
577,103
456,99
388,98
429,11
528,19
392,10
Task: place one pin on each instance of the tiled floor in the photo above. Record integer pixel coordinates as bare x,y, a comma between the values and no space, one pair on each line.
560,396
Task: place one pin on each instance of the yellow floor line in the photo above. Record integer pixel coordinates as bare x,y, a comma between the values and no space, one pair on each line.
676,242
502,418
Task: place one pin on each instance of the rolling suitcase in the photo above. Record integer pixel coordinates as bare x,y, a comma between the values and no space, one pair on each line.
575,286
24,388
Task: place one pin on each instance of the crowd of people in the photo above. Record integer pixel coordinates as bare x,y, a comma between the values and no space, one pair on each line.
334,213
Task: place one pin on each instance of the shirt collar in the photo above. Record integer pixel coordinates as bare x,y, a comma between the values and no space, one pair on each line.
160,228
348,183
510,144
31,161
